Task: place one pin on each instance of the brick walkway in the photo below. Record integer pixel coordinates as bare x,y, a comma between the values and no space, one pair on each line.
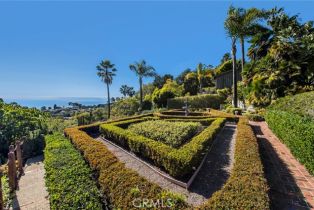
32,193
291,185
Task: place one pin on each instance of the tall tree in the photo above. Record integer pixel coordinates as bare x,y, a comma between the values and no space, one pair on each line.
127,91
106,72
247,21
181,77
141,69
225,57
200,74
159,81
231,26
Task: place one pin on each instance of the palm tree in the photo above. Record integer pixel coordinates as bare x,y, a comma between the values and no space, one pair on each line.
124,90
142,70
106,72
231,26
239,25
248,20
202,71
200,75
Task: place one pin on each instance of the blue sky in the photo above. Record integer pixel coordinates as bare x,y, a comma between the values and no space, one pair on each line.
50,49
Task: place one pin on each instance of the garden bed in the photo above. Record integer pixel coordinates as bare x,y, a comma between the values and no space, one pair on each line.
178,162
68,178
120,185
173,134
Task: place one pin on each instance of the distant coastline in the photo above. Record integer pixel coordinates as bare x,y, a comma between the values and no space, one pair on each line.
61,102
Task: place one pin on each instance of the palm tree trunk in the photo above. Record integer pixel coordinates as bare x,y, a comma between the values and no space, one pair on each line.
141,92
234,68
243,53
108,95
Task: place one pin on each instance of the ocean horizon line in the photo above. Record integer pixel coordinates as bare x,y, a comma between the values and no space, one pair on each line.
59,101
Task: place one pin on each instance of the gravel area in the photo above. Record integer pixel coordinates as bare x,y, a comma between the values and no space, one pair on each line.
213,174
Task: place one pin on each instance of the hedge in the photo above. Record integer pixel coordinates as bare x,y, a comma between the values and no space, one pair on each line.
94,128
68,178
182,113
296,132
204,122
199,101
166,116
173,134
120,185
246,187
300,104
177,162
292,120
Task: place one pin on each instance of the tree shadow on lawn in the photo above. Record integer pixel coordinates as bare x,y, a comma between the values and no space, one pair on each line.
217,166
284,192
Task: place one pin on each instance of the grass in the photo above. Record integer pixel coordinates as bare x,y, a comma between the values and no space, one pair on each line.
171,133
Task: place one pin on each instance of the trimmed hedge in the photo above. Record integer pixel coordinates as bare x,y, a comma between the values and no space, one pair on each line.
228,116
166,116
68,177
255,117
94,128
296,132
182,113
121,185
177,162
173,134
246,188
301,104
292,120
204,122
198,101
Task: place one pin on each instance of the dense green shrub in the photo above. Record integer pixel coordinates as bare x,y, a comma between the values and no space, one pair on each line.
119,184
147,104
7,195
68,177
233,110
125,107
255,117
16,123
171,133
177,162
246,188
292,119
169,90
296,132
199,101
300,104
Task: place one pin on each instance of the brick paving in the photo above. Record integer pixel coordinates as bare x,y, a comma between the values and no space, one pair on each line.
32,193
291,185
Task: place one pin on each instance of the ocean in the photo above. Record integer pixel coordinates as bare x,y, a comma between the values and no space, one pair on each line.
62,102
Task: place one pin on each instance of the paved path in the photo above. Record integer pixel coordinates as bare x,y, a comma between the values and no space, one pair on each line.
211,177
291,186
32,193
